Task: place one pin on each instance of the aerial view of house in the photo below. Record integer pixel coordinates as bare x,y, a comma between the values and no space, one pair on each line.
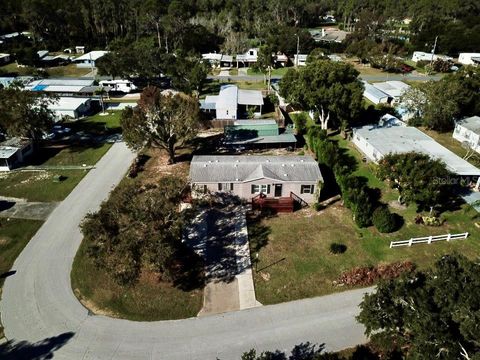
250,176
468,131
261,132
234,103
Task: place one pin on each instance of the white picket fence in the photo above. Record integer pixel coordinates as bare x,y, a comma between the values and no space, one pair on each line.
428,239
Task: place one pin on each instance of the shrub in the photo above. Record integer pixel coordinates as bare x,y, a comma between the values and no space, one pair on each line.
300,121
384,220
336,248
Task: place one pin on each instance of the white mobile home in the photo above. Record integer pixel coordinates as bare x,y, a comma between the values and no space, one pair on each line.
377,141
124,86
469,58
468,131
71,107
88,60
424,56
13,152
233,103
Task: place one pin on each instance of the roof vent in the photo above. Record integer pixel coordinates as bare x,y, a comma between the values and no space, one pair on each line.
237,160
204,165
292,165
283,165
236,165
302,160
268,160
216,160
210,161
285,174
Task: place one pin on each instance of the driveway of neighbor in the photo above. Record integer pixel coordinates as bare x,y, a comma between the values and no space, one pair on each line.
219,234
22,209
39,307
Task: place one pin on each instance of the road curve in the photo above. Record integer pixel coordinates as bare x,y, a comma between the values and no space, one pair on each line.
38,301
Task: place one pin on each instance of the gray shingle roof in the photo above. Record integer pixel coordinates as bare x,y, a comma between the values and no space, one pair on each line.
226,168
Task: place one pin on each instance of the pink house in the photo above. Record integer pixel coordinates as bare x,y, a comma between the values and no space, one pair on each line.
248,176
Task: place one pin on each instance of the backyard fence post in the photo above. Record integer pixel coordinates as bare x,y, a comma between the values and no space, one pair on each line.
430,239
449,236
410,242
466,235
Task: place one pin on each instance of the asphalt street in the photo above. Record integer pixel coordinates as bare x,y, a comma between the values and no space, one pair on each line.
39,307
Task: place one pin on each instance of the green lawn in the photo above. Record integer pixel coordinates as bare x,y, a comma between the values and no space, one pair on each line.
296,256
14,236
278,72
148,300
40,185
70,70
98,124
450,143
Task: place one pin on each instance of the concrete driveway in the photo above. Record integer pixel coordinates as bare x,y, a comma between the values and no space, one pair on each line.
39,308
22,209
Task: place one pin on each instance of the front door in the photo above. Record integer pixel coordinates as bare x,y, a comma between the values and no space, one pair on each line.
278,190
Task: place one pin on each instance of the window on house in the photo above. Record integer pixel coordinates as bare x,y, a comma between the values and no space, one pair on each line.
251,52
307,189
225,186
264,189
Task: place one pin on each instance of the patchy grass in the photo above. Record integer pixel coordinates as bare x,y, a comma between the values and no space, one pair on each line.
296,262
294,256
14,236
453,145
40,185
233,72
150,299
70,70
277,72
74,155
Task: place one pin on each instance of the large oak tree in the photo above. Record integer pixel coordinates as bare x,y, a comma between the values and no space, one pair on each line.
330,89
162,119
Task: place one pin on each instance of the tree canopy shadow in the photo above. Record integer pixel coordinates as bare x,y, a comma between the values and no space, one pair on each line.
24,350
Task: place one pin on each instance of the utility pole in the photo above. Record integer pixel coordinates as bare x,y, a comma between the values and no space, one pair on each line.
298,50
433,51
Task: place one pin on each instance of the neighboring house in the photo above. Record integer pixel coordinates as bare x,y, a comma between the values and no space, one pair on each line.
263,133
233,103
64,87
376,141
5,58
250,176
424,56
385,92
72,107
13,152
57,60
373,94
281,59
88,60
248,58
300,60
329,34
218,60
469,58
468,131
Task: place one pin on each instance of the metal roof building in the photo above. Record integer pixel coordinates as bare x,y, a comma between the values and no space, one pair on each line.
376,142
257,132
226,103
240,168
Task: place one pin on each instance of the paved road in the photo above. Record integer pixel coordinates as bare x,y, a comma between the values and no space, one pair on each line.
38,303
